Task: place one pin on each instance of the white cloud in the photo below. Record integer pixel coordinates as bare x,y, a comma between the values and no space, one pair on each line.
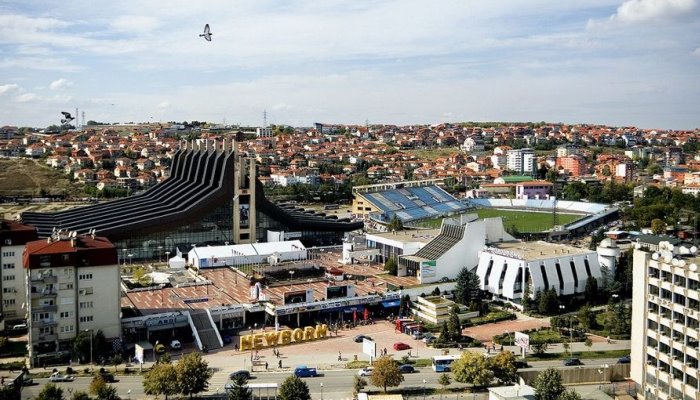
645,11
135,23
60,84
281,107
163,105
8,88
26,97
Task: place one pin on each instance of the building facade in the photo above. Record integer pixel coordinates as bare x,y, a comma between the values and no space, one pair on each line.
72,286
666,323
13,237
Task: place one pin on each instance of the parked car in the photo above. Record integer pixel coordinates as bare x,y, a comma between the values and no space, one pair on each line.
428,338
406,369
624,360
303,371
159,348
367,371
360,338
569,362
58,377
240,373
106,376
418,335
521,364
175,344
401,346
27,380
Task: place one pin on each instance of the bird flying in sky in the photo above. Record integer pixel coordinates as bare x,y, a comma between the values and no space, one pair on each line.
207,33
67,117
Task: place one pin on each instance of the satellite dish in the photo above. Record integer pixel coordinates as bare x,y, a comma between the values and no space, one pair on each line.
674,262
667,258
655,256
693,267
693,249
681,263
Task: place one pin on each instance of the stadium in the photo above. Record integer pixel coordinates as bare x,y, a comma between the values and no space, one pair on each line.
212,196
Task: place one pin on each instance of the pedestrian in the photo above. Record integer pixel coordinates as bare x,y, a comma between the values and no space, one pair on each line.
265,365
340,358
279,364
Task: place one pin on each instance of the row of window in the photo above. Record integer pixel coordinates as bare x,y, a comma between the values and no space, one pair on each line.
8,253
8,278
676,298
8,266
677,280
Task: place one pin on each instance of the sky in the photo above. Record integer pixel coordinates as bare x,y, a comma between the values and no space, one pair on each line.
613,62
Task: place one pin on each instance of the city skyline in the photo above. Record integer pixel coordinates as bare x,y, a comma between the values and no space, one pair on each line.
613,62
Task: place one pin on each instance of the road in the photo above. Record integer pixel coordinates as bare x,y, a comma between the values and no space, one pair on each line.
337,384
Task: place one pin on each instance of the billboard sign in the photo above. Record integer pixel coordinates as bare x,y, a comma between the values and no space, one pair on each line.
522,340
427,269
369,347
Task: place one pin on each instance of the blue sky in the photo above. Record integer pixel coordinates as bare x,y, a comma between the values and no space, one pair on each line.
615,62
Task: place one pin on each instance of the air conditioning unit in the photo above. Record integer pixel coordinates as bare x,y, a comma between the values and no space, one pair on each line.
83,292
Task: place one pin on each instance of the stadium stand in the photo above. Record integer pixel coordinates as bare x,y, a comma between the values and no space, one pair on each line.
415,203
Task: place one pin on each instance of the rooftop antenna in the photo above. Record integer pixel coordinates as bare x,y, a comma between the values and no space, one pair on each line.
77,121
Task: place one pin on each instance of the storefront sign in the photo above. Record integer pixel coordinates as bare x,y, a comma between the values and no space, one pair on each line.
278,338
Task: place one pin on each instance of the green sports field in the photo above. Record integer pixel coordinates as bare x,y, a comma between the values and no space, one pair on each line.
524,221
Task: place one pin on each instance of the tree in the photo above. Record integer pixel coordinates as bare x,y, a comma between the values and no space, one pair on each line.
503,367
391,266
10,392
444,380
591,290
193,374
570,395
404,304
539,347
444,333
467,289
386,373
548,302
239,389
586,317
50,392
358,384
98,383
108,392
395,224
293,388
80,395
588,343
454,327
161,380
81,346
472,368
658,226
548,385
526,301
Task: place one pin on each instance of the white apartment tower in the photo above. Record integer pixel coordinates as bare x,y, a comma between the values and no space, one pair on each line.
665,323
72,285
13,237
521,160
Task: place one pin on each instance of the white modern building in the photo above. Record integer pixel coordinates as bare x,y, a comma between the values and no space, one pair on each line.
13,238
521,160
666,323
505,268
399,243
456,247
245,254
73,286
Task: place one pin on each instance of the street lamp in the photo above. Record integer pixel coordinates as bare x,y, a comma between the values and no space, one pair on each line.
291,275
321,390
424,382
124,256
160,254
130,255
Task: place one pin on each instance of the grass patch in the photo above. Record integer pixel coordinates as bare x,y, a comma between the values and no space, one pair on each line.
492,316
579,354
526,221
22,176
357,364
431,154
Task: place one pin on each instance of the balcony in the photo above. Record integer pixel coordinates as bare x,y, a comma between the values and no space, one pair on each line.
44,323
44,278
44,308
44,293
46,338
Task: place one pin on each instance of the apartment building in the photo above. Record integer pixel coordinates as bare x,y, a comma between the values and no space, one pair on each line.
521,160
13,237
665,323
72,286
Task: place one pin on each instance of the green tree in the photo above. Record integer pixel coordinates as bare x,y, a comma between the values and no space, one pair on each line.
98,383
444,380
391,266
10,392
548,302
472,368
591,290
586,317
50,392
588,343
386,373
540,346
293,388
658,226
548,385
193,374
395,224
358,384
80,395
404,304
108,392
81,346
454,327
444,333
161,380
526,301
239,389
570,395
503,367
467,289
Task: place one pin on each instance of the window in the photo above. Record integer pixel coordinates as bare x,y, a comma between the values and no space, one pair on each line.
85,277
65,257
8,302
66,314
67,329
8,290
40,316
573,272
87,318
85,291
8,266
85,304
8,253
48,330
8,277
67,271
66,286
